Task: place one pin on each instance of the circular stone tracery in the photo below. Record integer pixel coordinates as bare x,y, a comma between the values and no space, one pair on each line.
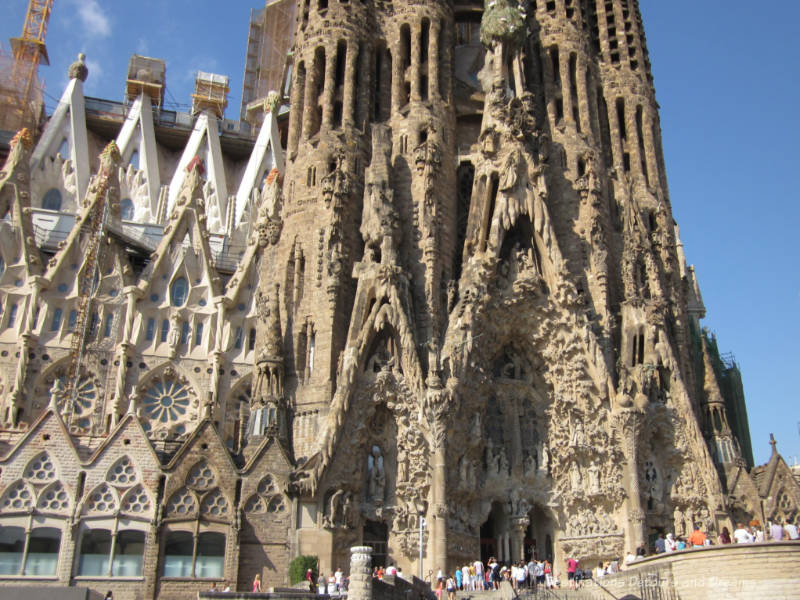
78,409
168,404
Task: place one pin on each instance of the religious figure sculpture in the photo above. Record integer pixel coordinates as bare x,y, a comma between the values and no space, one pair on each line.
377,476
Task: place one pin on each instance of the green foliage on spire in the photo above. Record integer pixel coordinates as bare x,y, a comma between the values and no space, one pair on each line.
502,22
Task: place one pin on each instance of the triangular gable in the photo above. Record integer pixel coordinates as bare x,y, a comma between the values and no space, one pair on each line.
267,155
48,424
15,197
68,122
204,432
128,428
104,188
268,446
137,135
188,218
203,142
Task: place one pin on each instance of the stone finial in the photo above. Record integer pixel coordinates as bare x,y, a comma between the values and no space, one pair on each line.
196,163
78,69
773,443
272,102
24,136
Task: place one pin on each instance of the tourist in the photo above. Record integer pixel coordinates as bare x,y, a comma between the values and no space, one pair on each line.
391,571
522,575
337,578
322,584
494,573
257,583
641,552
451,588
776,531
697,539
670,545
681,543
725,536
630,557
332,580
741,535
439,586
572,566
109,595
531,570
548,575
758,534
791,530
479,575
459,579
660,544
227,589
539,572
400,572
213,589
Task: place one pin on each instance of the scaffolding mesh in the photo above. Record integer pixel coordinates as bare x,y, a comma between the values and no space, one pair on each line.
21,103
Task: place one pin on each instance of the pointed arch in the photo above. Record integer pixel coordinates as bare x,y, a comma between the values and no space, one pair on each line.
137,502
122,473
18,497
42,468
102,500
54,498
215,505
201,476
182,503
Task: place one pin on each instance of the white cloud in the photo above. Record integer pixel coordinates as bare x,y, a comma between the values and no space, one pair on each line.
93,18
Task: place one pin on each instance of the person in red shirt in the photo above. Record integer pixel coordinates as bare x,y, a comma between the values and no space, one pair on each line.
572,566
697,539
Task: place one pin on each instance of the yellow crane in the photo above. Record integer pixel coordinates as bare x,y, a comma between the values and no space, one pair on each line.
20,93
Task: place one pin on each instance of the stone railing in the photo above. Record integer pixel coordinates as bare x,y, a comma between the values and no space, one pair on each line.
757,571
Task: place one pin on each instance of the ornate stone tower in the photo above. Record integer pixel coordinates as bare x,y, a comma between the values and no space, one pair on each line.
484,308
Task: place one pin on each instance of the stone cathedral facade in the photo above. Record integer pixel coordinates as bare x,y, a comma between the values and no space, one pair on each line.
449,287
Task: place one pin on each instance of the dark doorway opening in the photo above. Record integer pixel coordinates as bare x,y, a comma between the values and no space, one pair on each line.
376,536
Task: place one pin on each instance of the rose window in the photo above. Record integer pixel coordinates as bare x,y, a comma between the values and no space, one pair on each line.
169,404
80,406
17,497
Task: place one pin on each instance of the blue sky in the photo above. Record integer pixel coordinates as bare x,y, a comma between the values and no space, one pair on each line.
724,76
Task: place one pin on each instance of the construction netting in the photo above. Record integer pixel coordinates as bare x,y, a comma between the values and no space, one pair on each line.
21,103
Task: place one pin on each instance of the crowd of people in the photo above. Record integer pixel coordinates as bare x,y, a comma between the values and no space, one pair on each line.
478,576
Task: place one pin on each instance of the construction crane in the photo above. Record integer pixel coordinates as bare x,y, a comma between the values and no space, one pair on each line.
20,93
94,228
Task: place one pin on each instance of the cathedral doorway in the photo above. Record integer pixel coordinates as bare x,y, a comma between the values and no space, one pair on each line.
495,540
376,536
539,535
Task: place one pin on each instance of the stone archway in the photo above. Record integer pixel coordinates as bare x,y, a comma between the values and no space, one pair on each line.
496,534
539,535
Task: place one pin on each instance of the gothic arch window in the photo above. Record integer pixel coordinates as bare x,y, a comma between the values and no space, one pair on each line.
42,469
183,503
52,200
33,554
122,473
54,499
179,291
17,498
102,501
267,499
201,476
169,406
214,505
127,209
136,502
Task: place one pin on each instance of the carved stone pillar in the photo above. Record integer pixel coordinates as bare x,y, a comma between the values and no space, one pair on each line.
415,66
329,90
360,587
437,404
630,421
519,526
350,91
433,60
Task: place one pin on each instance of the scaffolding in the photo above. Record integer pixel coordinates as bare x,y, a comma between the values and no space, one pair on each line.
146,76
210,92
268,44
21,103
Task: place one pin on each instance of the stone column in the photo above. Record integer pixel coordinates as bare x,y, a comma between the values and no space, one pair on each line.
519,525
437,403
584,97
615,130
360,587
329,89
629,421
350,92
550,87
416,32
566,85
311,100
398,79
433,60
296,103
648,120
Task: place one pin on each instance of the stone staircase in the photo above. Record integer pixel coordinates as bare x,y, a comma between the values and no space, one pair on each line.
506,592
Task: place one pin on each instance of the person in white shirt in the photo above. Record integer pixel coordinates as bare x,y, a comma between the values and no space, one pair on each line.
670,545
741,535
791,530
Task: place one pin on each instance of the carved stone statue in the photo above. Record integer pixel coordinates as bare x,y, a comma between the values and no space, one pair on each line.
377,476
575,478
594,479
